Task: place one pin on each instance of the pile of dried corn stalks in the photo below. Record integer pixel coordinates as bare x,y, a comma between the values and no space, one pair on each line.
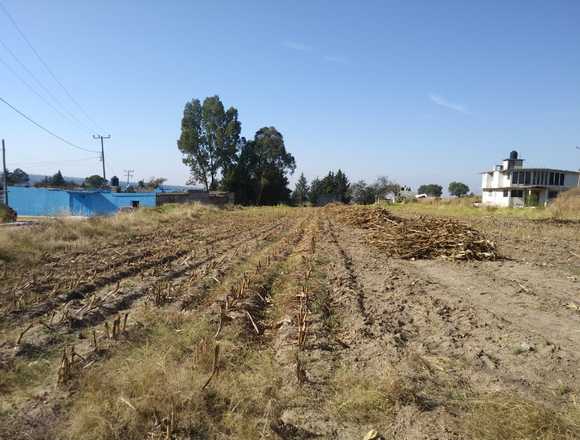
418,237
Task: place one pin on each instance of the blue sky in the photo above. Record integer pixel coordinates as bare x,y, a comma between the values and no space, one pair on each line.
423,92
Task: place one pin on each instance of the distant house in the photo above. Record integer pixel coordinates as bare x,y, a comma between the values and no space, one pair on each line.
510,184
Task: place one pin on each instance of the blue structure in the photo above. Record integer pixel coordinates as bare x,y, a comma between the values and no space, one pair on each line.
49,201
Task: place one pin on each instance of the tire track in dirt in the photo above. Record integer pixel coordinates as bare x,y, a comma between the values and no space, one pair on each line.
349,278
382,339
340,325
308,367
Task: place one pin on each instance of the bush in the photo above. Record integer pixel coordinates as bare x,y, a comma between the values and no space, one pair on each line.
7,214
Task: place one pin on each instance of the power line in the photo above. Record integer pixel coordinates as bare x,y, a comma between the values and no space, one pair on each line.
111,168
48,69
101,137
129,175
32,89
52,162
4,175
42,86
28,118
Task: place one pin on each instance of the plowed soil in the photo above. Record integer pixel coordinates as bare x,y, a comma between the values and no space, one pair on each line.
289,323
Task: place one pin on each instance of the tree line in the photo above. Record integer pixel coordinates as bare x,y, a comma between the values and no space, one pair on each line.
95,181
255,170
336,187
457,189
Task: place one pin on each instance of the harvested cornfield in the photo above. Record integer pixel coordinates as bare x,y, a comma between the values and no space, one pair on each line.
288,323
418,237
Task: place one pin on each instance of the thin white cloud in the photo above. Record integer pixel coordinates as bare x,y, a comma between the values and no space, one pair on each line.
335,59
296,46
443,102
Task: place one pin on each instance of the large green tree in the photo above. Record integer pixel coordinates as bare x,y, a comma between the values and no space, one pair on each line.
95,181
384,186
57,180
259,175
272,164
363,194
458,189
431,189
336,185
210,137
342,186
16,177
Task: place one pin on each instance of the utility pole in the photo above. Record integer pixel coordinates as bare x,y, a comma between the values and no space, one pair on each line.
578,185
98,136
129,175
4,174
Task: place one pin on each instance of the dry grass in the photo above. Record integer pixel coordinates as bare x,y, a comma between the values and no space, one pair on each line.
154,389
507,417
377,400
566,205
30,244
376,397
364,399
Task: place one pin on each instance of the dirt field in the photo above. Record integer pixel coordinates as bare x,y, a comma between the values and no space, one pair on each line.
287,323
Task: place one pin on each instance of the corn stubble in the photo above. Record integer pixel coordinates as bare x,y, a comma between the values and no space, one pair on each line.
418,237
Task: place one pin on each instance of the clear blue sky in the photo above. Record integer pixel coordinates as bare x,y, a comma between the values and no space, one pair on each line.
424,92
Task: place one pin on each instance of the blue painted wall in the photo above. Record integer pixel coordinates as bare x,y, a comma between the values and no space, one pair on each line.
38,201
91,203
124,200
43,201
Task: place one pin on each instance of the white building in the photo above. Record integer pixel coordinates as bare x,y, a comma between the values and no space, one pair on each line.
510,184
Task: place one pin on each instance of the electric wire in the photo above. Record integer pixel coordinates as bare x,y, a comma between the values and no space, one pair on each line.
51,162
32,89
28,118
70,116
111,167
48,69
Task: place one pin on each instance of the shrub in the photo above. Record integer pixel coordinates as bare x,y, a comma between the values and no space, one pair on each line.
7,214
567,204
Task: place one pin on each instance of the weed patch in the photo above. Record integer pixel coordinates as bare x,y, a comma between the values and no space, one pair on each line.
506,417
